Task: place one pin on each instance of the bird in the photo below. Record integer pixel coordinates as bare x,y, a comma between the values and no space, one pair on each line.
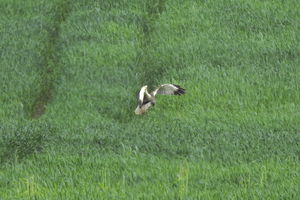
146,99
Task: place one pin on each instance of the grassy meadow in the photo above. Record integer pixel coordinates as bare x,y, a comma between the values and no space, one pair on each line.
70,71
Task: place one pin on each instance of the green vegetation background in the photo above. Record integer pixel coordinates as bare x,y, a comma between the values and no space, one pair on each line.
69,74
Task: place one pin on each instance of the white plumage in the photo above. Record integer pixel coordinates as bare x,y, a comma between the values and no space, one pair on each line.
146,99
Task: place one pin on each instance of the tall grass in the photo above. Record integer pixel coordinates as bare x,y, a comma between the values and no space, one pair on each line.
70,72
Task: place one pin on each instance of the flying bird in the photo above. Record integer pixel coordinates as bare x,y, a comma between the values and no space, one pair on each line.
146,99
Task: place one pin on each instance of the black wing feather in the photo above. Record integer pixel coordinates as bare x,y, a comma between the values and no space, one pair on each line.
179,90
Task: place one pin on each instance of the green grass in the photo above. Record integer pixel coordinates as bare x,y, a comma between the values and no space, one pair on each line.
131,176
70,72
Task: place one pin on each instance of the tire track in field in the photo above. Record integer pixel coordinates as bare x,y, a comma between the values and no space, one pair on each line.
49,72
151,12
146,65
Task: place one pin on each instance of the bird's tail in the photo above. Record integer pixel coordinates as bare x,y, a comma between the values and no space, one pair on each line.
138,110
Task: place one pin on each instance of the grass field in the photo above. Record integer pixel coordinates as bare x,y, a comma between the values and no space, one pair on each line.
70,71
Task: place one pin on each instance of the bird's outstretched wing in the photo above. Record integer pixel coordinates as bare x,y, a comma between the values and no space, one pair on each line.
141,95
169,89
